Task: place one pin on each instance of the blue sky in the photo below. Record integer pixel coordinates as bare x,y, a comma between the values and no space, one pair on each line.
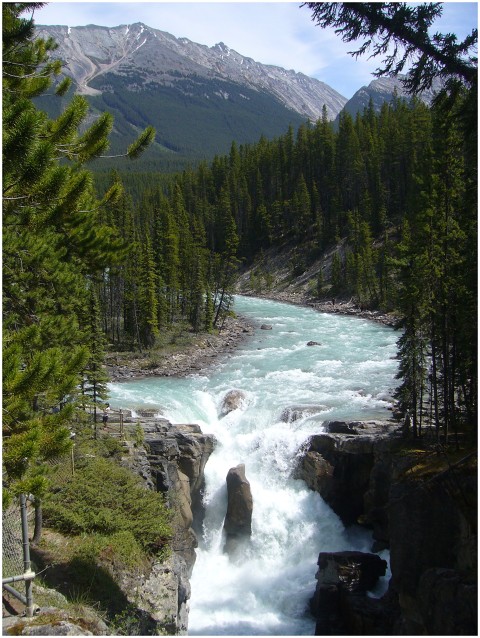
279,33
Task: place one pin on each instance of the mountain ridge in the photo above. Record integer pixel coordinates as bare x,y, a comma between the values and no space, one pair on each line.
382,90
199,98
92,51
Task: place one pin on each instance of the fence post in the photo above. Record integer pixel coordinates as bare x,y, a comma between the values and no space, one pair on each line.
26,557
121,423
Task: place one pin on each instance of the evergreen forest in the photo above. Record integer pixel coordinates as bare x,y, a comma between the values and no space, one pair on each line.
90,265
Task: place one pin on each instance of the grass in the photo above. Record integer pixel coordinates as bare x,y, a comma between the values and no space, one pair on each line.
99,523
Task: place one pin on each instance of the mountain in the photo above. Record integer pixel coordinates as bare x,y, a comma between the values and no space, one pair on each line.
382,90
199,98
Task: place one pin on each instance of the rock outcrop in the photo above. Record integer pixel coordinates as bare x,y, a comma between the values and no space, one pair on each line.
433,551
238,520
170,460
340,601
367,475
338,463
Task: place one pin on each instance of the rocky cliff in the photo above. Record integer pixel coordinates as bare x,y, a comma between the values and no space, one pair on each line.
421,505
171,460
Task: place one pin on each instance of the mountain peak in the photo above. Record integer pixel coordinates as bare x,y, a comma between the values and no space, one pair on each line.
382,90
156,57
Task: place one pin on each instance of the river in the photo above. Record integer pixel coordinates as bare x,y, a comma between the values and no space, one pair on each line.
350,374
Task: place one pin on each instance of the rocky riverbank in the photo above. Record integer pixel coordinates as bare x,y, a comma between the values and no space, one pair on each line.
171,460
202,351
420,504
205,350
333,306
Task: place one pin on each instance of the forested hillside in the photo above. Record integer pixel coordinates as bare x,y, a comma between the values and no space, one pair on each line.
406,176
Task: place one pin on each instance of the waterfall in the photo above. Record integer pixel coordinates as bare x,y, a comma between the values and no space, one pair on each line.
289,389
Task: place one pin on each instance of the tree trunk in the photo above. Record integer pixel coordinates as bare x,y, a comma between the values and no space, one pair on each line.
38,524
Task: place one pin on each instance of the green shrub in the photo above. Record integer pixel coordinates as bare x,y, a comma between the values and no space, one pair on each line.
104,498
139,437
120,548
106,446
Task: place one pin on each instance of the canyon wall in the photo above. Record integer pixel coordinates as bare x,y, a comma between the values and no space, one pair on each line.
420,507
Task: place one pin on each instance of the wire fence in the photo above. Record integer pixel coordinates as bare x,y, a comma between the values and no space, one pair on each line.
12,547
17,528
16,566
18,518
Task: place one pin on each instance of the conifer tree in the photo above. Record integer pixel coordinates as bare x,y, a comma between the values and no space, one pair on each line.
225,274
95,377
147,300
52,240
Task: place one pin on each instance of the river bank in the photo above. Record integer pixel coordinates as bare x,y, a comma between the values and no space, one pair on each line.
334,306
205,350
199,354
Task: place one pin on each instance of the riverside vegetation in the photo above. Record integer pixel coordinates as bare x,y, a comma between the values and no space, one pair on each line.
391,197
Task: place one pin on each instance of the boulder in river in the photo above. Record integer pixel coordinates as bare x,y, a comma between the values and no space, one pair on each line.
266,326
295,412
313,343
238,520
232,401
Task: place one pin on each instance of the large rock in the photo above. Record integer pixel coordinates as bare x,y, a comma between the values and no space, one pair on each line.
426,517
356,572
295,412
340,602
238,520
448,602
232,401
172,461
338,463
433,551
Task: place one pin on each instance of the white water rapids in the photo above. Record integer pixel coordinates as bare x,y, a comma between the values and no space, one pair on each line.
350,375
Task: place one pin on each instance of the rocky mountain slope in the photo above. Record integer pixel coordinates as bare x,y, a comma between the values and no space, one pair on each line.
146,56
382,90
198,98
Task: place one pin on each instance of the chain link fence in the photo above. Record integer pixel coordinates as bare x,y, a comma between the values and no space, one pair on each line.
18,521
16,566
18,518
12,548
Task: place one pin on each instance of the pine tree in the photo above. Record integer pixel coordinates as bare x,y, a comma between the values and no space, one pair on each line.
95,378
226,269
52,241
147,300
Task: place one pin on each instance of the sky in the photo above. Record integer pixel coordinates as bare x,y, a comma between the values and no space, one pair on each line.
279,33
